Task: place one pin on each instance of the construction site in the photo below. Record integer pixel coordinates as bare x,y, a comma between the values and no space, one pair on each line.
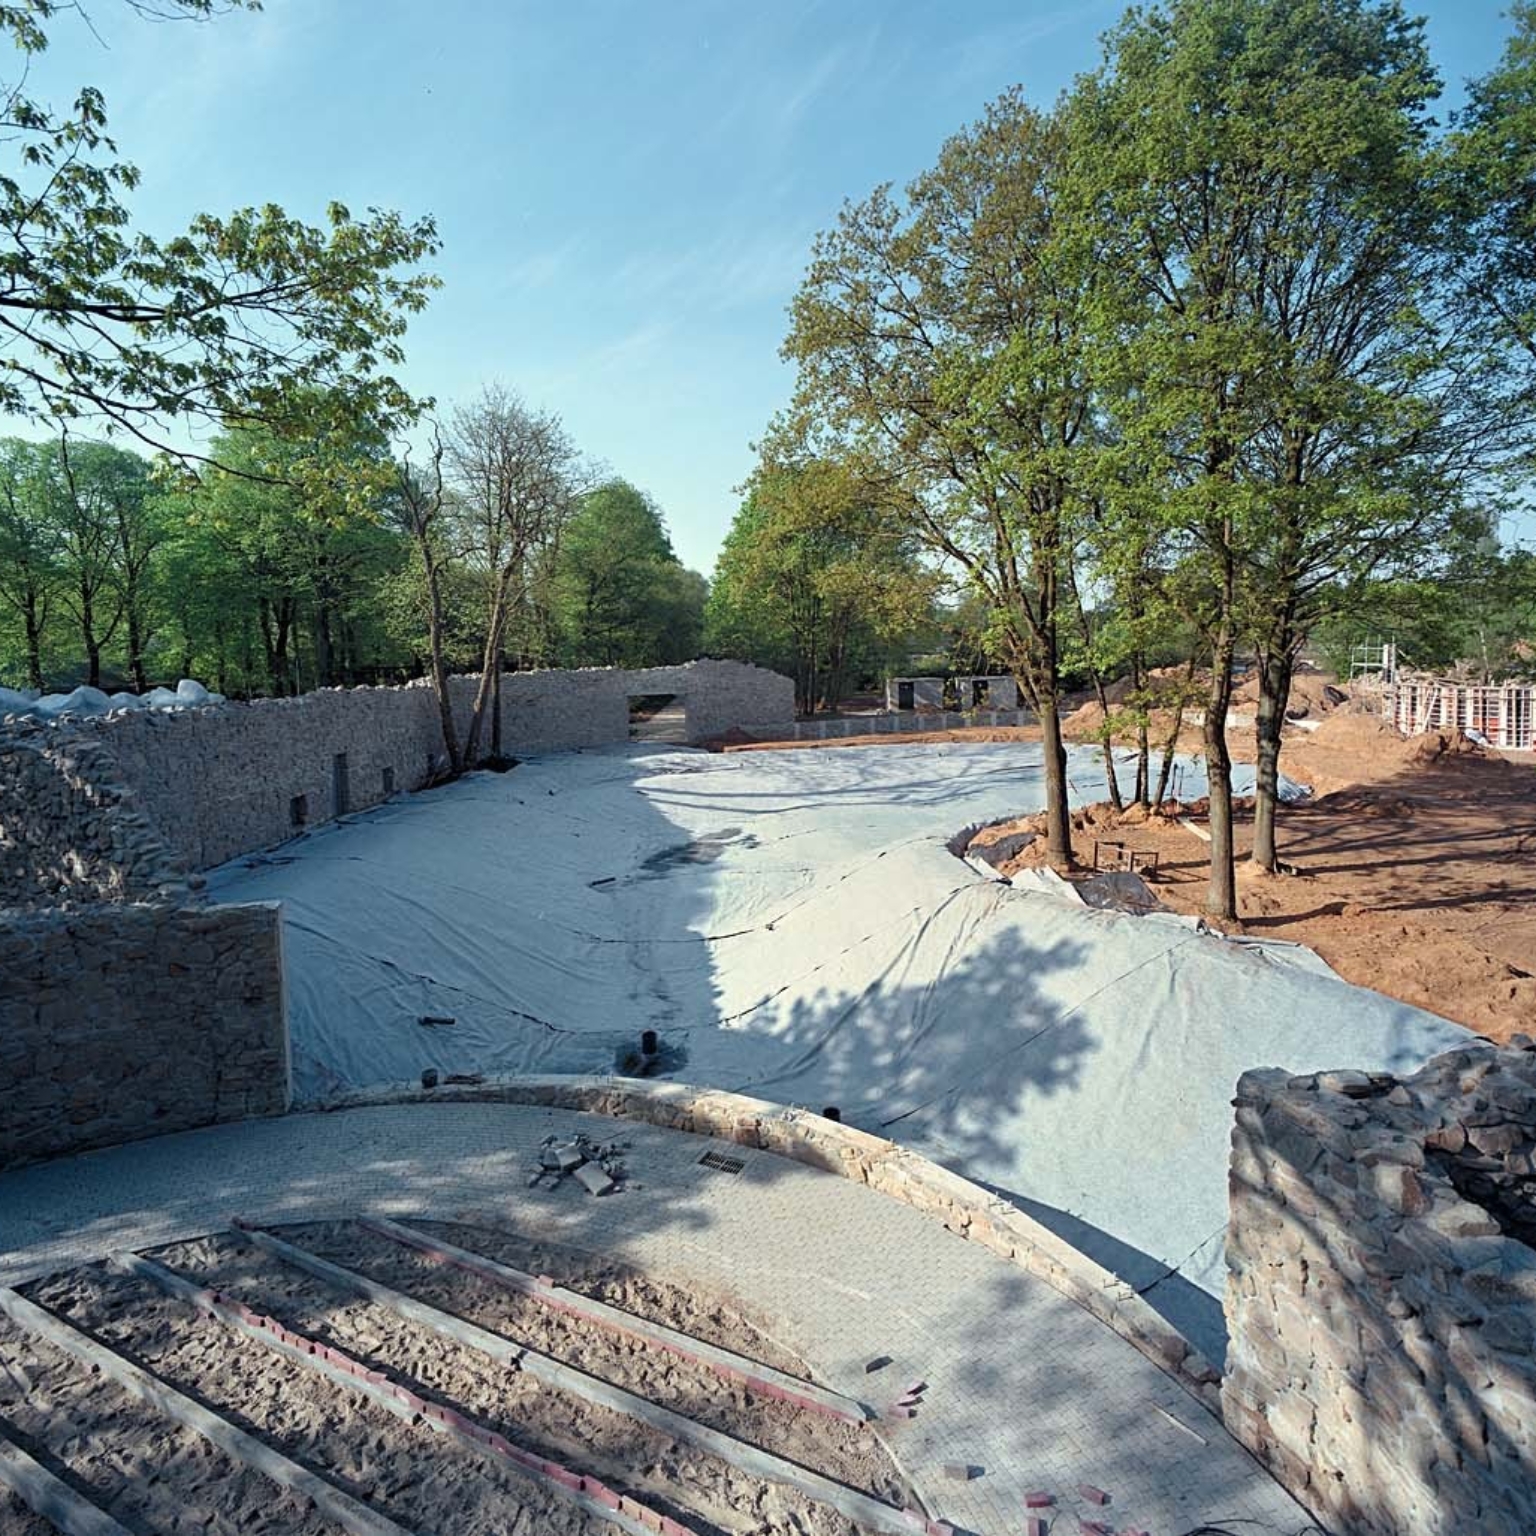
761,1139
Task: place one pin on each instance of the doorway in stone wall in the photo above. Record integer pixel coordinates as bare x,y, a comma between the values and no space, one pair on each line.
658,717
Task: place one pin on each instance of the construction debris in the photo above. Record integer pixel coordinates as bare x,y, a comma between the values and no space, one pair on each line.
597,1166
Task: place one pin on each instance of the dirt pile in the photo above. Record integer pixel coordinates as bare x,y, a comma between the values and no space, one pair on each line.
1314,695
1449,749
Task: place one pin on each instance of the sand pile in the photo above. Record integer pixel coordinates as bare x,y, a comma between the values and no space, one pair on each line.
1449,748
1347,731
1313,696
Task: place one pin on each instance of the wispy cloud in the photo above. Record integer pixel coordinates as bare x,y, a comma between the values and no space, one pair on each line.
727,270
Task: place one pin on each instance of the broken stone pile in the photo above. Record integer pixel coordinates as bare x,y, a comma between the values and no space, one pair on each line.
1381,1300
597,1166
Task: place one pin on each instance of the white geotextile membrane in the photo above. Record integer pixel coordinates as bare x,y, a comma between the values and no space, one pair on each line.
84,700
792,925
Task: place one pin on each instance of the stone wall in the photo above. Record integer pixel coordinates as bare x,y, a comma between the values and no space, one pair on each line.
124,1021
210,784
589,707
230,778
66,833
1381,1298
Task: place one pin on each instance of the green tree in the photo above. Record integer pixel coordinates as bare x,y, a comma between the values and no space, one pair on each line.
941,336
815,578
1494,152
97,497
30,573
223,323
1260,179
623,597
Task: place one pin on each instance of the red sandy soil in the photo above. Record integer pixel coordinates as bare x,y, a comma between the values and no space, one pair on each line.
1412,871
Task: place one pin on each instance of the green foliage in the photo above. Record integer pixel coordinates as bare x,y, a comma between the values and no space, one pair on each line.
1493,153
816,579
623,599
232,321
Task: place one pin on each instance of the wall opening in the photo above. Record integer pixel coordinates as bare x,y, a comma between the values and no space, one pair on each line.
298,810
341,787
906,695
981,692
387,781
657,717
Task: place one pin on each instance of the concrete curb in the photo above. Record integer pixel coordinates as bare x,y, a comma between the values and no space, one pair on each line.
964,1208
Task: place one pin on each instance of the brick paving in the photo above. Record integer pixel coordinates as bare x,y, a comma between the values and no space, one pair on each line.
1021,1384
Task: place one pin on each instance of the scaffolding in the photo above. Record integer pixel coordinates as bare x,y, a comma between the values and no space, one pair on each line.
1373,665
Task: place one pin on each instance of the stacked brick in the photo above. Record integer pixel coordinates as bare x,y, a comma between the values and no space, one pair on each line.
1382,1292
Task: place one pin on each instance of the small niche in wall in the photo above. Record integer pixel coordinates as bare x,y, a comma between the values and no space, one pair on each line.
298,810
341,785
388,781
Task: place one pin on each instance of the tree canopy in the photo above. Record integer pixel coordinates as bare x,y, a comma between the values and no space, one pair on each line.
243,318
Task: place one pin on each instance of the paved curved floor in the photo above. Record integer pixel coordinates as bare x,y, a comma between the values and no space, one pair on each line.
1021,1383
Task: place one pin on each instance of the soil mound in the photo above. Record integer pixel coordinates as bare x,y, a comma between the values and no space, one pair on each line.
734,737
1448,748
1346,730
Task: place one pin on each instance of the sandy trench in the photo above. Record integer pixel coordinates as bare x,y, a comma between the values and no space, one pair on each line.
16,1519
424,1481
145,1470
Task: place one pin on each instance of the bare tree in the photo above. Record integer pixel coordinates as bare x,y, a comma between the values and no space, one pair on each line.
516,470
421,502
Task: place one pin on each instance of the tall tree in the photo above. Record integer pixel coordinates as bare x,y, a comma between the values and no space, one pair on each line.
223,323
940,334
420,504
98,491
1260,172
816,577
1494,154
517,475
623,598
30,574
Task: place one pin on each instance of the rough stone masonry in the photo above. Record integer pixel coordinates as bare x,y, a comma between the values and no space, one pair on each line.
118,1022
127,1009
1381,1297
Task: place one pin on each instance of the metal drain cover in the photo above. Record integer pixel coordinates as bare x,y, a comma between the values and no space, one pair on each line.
722,1163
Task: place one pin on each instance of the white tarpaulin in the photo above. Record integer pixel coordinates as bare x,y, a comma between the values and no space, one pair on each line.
792,925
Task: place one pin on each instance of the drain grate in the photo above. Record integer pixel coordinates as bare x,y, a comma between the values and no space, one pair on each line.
721,1163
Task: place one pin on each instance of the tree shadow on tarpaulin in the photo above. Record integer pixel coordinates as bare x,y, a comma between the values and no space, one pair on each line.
951,1067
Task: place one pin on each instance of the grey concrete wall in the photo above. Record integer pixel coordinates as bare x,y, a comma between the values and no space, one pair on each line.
1381,1298
119,1022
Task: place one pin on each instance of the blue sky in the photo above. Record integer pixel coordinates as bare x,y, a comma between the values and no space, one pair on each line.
626,191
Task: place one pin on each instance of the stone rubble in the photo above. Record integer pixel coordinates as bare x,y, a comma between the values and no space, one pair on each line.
1381,1298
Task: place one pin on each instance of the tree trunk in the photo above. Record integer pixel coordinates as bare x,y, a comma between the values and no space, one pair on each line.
1143,740
501,666
1276,667
1058,823
34,647
325,650
1221,898
488,666
439,666
136,646
1111,778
